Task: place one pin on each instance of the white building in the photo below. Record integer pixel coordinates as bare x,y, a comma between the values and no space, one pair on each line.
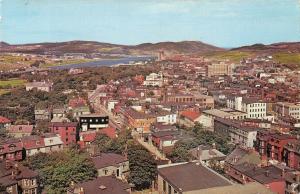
253,107
154,79
288,109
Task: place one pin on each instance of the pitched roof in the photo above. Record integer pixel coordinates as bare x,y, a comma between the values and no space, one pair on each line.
20,129
4,120
108,159
240,155
191,115
103,185
191,177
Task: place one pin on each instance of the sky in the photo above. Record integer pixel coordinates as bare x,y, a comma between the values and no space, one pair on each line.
224,23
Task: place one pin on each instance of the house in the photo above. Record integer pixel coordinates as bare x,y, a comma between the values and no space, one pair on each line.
270,145
41,86
164,116
292,180
108,164
165,140
4,122
42,114
80,111
242,155
68,131
207,153
59,113
188,118
11,149
270,176
138,120
93,122
195,178
100,185
46,143
291,154
202,101
16,178
19,131
87,137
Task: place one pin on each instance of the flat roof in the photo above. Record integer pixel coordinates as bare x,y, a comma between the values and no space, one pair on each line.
191,176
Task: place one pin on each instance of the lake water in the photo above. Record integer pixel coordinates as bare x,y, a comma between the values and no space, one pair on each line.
105,62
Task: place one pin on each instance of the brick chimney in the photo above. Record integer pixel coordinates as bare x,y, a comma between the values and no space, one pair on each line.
81,190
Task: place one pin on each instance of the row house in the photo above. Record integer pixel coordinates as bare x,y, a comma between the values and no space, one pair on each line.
138,120
291,154
270,176
46,143
16,178
93,122
270,145
11,149
202,101
68,131
236,131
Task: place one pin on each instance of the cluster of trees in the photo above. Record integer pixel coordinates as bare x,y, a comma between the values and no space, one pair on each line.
141,163
58,169
180,153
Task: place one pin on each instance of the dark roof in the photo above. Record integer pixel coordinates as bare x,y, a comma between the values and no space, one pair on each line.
108,159
240,155
103,185
191,176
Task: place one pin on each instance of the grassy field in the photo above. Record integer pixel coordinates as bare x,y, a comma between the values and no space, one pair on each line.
234,56
66,62
12,83
287,58
9,62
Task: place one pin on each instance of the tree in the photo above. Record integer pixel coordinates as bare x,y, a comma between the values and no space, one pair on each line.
142,167
180,152
58,169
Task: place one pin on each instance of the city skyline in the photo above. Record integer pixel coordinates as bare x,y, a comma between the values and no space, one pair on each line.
222,23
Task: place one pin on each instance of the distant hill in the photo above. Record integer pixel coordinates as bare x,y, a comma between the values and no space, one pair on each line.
185,47
293,47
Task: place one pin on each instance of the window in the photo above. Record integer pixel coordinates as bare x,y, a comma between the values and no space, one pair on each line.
169,189
105,171
164,186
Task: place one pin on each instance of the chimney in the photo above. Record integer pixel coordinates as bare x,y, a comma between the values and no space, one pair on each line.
297,178
267,173
199,152
81,191
283,173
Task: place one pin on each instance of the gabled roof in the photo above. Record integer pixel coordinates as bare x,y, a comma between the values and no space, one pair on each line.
191,115
108,159
4,120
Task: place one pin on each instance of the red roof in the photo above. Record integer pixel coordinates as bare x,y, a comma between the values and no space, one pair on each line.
110,132
20,129
191,115
4,120
88,136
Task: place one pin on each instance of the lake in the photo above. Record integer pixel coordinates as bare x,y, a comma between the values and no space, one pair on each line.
105,62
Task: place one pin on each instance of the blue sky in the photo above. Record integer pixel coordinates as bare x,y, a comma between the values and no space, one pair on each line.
225,23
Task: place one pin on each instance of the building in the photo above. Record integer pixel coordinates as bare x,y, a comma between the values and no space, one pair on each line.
154,79
80,111
108,164
219,69
292,182
202,101
270,176
11,149
59,113
207,154
164,116
16,178
42,114
139,121
4,122
101,185
288,109
189,118
270,145
19,131
195,178
46,143
238,132
93,122
68,131
225,113
291,154
41,86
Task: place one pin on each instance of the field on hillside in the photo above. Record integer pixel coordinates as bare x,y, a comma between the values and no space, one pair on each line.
233,56
287,58
7,85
